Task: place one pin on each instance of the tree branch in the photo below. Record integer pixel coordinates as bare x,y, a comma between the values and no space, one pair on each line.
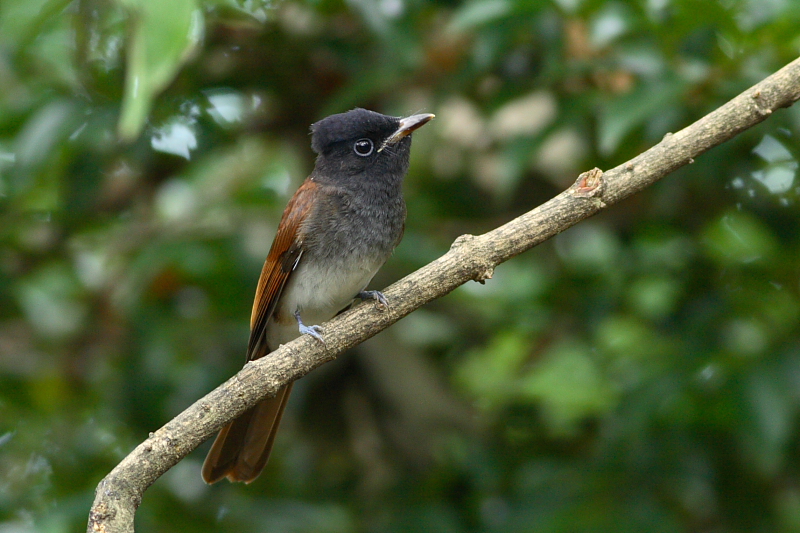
470,258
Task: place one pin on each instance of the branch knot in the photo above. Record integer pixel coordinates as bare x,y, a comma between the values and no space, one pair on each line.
589,185
462,240
483,275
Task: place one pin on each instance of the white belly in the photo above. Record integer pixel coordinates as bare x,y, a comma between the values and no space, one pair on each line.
318,293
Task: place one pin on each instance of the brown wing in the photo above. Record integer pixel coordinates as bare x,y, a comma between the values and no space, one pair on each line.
242,448
282,259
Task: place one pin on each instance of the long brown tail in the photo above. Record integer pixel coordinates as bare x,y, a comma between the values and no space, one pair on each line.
241,449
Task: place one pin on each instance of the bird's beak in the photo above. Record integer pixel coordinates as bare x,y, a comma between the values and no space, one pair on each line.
407,125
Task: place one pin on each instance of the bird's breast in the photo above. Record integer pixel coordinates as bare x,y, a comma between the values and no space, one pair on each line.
345,241
318,290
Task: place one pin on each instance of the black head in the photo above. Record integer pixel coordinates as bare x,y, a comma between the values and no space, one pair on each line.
364,144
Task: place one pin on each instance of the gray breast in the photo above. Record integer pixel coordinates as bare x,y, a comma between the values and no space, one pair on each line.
355,228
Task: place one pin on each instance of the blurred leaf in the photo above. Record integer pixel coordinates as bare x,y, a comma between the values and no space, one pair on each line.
21,21
589,248
788,507
627,338
477,13
662,248
745,337
52,301
491,372
162,36
612,22
570,387
770,418
654,296
620,116
738,237
35,178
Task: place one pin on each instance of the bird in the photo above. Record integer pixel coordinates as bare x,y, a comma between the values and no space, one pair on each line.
338,229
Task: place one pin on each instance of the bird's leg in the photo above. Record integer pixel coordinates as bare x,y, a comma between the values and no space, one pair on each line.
378,296
314,331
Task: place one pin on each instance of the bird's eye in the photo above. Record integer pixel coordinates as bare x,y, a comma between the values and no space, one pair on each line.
363,147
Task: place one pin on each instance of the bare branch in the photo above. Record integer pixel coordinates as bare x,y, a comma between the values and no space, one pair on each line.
469,258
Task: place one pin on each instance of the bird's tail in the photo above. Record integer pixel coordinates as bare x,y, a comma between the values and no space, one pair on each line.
241,449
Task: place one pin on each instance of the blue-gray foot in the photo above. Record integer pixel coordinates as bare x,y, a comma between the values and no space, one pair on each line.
314,331
374,295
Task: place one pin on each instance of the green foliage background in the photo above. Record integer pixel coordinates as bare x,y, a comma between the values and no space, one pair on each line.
640,372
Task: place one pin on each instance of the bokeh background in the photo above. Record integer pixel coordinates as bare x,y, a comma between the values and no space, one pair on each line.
640,372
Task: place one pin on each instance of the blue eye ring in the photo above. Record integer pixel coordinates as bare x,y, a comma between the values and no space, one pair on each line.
363,147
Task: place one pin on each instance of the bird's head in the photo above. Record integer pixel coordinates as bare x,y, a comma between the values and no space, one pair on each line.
364,143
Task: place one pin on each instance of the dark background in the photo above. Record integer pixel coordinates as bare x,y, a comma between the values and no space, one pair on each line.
638,373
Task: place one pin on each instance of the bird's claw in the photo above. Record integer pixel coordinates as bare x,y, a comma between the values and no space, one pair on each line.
380,299
314,331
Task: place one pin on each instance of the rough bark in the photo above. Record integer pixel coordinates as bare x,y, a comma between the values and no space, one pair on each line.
470,258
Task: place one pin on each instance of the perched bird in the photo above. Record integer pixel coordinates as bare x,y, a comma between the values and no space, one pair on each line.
338,229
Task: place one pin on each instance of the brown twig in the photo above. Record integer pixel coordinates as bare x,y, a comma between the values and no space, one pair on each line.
469,258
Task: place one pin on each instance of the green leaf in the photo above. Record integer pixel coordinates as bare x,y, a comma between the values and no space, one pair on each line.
621,116
570,387
23,21
769,418
737,237
490,372
590,248
53,302
162,37
626,337
654,296
478,13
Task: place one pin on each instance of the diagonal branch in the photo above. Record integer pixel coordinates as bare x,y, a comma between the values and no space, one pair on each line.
469,258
